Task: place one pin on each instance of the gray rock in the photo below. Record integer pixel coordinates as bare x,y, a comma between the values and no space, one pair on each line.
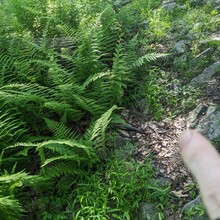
204,53
205,120
215,36
147,211
206,75
145,25
169,6
124,148
142,106
192,205
163,182
180,61
180,47
121,3
209,124
202,2
198,2
217,2
195,116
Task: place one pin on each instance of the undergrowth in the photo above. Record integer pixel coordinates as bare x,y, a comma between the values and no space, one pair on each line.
66,70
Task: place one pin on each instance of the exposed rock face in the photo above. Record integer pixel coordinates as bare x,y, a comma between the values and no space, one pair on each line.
205,119
206,75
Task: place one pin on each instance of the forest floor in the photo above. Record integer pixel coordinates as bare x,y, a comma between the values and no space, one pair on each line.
160,140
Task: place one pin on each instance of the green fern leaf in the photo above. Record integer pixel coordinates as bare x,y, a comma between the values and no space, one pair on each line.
98,131
60,130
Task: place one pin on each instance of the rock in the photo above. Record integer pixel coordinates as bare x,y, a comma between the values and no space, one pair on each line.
205,52
198,2
198,26
192,206
180,47
193,203
163,182
180,62
215,36
169,5
206,75
147,211
217,2
209,124
121,3
205,119
145,25
124,148
195,116
142,106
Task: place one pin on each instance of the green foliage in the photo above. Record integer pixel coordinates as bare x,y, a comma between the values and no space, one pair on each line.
117,192
40,15
167,97
10,208
197,211
65,70
11,129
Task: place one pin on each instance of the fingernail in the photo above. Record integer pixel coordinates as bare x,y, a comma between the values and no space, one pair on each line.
185,138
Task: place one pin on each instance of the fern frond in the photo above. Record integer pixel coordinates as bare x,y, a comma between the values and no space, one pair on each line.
60,130
11,129
66,147
75,158
5,179
97,132
64,108
147,58
63,168
68,31
88,105
10,208
95,77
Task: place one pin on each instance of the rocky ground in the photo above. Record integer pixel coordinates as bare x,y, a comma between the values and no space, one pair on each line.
160,138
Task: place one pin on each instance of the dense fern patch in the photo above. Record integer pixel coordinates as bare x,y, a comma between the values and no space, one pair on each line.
65,68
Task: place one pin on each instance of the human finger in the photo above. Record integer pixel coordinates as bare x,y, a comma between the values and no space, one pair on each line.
204,162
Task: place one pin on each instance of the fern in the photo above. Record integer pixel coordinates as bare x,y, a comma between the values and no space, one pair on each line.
11,129
10,208
147,58
97,131
60,130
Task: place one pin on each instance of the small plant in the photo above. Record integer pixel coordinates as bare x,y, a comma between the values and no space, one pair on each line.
116,191
167,97
195,212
